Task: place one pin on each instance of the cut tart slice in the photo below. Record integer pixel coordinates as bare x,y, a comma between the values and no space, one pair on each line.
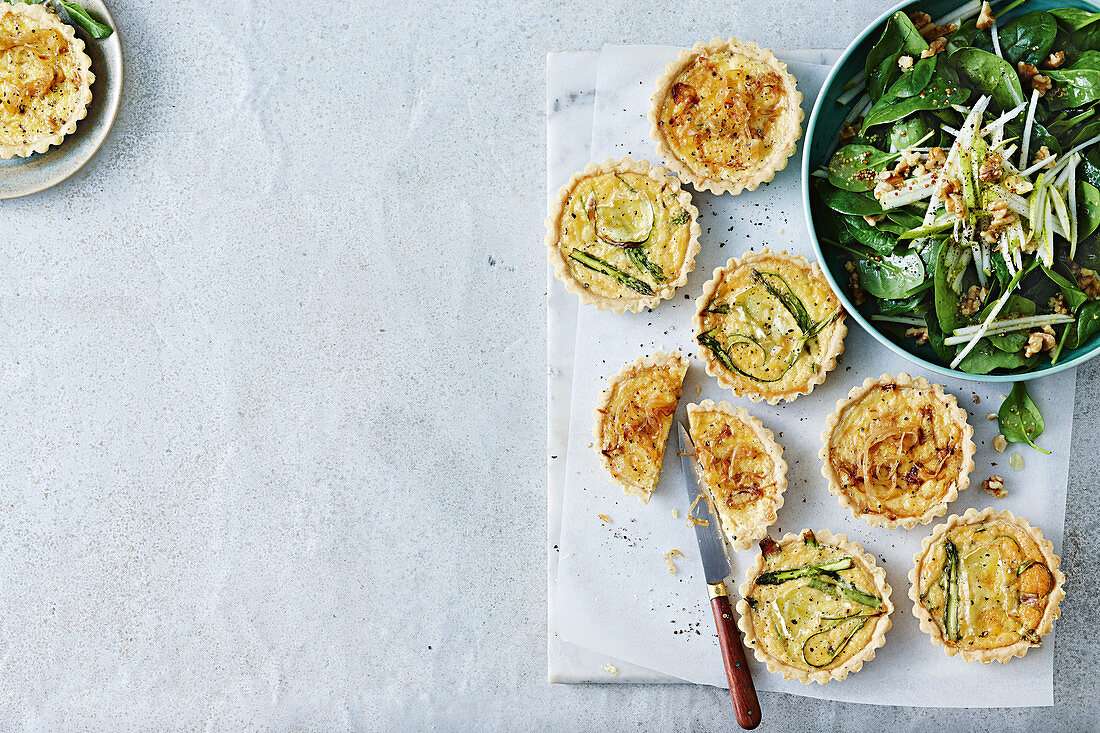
633,417
742,469
897,451
986,585
815,607
769,326
726,115
622,235
45,80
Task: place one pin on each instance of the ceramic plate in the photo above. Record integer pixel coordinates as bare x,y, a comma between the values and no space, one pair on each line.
23,176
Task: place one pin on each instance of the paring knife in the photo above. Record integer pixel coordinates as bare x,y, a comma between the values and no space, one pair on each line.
716,566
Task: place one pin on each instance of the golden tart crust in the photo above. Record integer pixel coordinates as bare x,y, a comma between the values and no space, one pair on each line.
45,80
1010,587
759,335
631,217
763,606
921,439
726,115
742,469
633,417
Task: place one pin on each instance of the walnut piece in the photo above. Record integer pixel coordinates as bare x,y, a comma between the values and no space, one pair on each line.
1057,304
973,300
1041,340
859,295
1031,74
1087,281
985,18
934,48
995,486
929,31
1055,60
848,132
1042,154
991,169
905,63
920,333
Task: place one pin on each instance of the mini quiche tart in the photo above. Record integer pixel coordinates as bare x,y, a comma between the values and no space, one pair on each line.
815,607
742,469
45,80
986,585
633,418
769,326
897,451
726,115
623,235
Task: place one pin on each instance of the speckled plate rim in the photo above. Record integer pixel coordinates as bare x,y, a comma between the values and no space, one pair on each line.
45,170
1090,352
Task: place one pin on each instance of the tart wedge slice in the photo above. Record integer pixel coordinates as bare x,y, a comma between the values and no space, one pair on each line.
742,467
726,115
622,235
986,585
814,607
769,326
897,451
633,417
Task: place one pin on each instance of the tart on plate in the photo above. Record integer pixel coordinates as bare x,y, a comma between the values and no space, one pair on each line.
623,235
815,607
769,326
897,451
742,469
633,417
986,585
726,115
45,80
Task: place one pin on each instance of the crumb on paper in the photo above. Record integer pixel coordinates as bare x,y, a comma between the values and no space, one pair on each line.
1016,461
698,389
995,486
669,557
611,669
1000,443
604,518
675,513
991,416
692,521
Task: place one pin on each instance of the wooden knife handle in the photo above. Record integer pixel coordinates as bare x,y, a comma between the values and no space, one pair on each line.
743,692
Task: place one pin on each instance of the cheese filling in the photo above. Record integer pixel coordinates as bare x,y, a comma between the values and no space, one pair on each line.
1000,591
40,80
720,114
806,622
897,451
637,422
624,235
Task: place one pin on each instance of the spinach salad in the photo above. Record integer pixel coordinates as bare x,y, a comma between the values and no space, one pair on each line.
964,191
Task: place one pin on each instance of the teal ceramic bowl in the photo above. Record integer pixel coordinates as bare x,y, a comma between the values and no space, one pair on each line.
24,176
825,122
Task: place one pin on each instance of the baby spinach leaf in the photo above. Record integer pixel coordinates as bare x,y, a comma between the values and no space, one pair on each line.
1039,136
985,358
935,338
855,227
1029,38
1019,418
905,219
1088,204
1074,295
82,18
1012,341
906,132
1073,87
1087,60
891,277
913,305
1086,326
939,93
1074,18
988,74
899,37
848,202
915,80
856,167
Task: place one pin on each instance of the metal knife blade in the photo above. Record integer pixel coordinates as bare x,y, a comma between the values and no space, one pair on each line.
712,548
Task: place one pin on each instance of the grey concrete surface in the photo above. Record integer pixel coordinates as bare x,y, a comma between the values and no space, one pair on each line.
272,372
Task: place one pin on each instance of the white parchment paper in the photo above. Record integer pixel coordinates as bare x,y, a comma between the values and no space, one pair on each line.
615,595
